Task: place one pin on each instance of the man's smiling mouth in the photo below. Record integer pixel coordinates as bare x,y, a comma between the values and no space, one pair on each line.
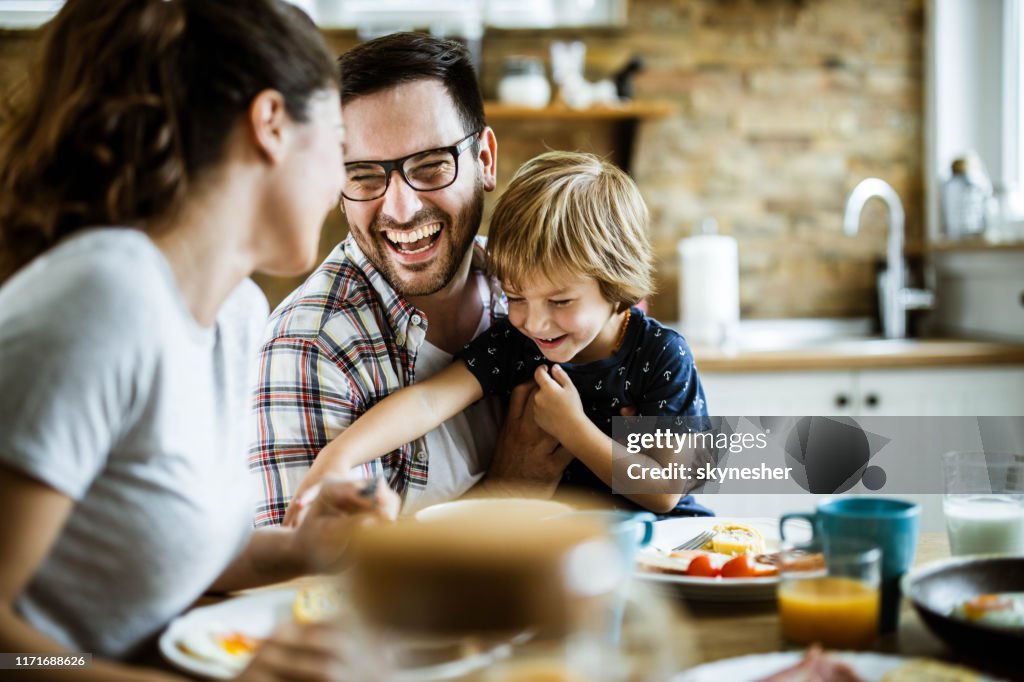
414,241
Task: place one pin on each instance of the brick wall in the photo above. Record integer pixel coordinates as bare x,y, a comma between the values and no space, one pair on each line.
782,106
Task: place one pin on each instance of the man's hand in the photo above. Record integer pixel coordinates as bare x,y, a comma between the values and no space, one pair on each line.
527,460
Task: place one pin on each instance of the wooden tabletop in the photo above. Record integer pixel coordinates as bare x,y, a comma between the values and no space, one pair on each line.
724,630
720,630
862,354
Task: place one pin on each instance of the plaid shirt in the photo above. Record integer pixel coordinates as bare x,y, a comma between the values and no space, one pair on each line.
340,343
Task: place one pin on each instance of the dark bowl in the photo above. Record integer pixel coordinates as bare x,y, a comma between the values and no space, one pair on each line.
937,588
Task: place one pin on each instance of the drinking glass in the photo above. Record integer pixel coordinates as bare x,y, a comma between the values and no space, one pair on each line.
890,524
829,592
984,502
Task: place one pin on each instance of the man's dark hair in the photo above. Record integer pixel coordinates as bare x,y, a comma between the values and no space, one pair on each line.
399,58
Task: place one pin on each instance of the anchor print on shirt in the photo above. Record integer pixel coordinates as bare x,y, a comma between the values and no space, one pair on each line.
597,386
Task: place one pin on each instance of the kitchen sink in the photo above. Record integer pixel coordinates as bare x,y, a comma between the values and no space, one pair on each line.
832,335
794,334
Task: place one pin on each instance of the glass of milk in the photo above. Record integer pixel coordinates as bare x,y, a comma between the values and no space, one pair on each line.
984,502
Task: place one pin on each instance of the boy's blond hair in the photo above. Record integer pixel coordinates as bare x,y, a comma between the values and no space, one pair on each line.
573,211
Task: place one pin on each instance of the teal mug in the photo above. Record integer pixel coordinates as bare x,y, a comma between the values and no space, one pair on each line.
629,531
890,524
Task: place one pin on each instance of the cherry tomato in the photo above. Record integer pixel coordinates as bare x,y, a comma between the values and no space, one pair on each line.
700,566
739,567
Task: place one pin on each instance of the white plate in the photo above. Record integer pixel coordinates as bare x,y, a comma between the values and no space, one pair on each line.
871,667
258,613
672,532
526,508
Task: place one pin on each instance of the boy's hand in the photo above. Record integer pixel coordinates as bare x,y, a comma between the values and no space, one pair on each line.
558,402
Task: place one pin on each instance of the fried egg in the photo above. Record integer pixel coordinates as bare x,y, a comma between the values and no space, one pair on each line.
734,539
1002,609
218,644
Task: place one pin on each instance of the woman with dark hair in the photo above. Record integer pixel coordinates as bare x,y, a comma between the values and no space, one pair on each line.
163,152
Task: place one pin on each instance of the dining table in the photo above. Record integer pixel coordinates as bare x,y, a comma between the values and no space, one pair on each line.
718,630
728,629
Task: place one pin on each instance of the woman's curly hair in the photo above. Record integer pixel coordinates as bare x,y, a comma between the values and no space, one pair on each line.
131,101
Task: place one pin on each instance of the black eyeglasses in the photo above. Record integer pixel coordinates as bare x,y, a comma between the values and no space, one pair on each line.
426,171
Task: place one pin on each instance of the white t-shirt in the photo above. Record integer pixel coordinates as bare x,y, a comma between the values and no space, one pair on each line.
115,396
460,449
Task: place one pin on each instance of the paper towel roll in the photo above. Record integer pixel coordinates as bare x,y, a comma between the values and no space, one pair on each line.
709,288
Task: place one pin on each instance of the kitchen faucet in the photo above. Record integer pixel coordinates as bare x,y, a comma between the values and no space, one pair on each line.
894,297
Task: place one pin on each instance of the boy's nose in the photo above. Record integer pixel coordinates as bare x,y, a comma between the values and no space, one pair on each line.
536,324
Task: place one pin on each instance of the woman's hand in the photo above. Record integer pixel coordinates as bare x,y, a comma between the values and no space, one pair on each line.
338,508
558,406
310,652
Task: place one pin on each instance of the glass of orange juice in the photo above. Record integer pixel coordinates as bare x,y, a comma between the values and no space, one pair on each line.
829,593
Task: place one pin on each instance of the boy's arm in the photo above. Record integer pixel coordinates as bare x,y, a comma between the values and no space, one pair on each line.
403,416
596,450
560,413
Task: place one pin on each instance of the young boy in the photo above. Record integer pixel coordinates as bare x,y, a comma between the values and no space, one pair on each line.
568,241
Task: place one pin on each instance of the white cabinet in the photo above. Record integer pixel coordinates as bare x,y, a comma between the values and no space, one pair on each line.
938,391
946,391
778,393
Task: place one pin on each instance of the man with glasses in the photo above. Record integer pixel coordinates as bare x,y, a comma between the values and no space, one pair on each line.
395,300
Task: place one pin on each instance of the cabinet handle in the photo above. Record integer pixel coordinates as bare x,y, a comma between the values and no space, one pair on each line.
871,400
842,400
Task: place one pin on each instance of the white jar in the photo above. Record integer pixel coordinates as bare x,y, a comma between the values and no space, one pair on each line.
524,84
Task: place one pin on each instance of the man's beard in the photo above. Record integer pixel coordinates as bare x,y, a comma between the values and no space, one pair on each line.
461,232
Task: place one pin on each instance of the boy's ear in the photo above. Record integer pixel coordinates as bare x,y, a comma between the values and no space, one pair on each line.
488,158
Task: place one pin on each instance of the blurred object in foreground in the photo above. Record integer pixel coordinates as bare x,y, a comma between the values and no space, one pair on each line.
537,593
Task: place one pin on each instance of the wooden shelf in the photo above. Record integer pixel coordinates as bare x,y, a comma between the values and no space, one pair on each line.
496,111
974,245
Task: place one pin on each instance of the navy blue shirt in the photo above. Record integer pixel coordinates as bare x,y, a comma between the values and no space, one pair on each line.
653,371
